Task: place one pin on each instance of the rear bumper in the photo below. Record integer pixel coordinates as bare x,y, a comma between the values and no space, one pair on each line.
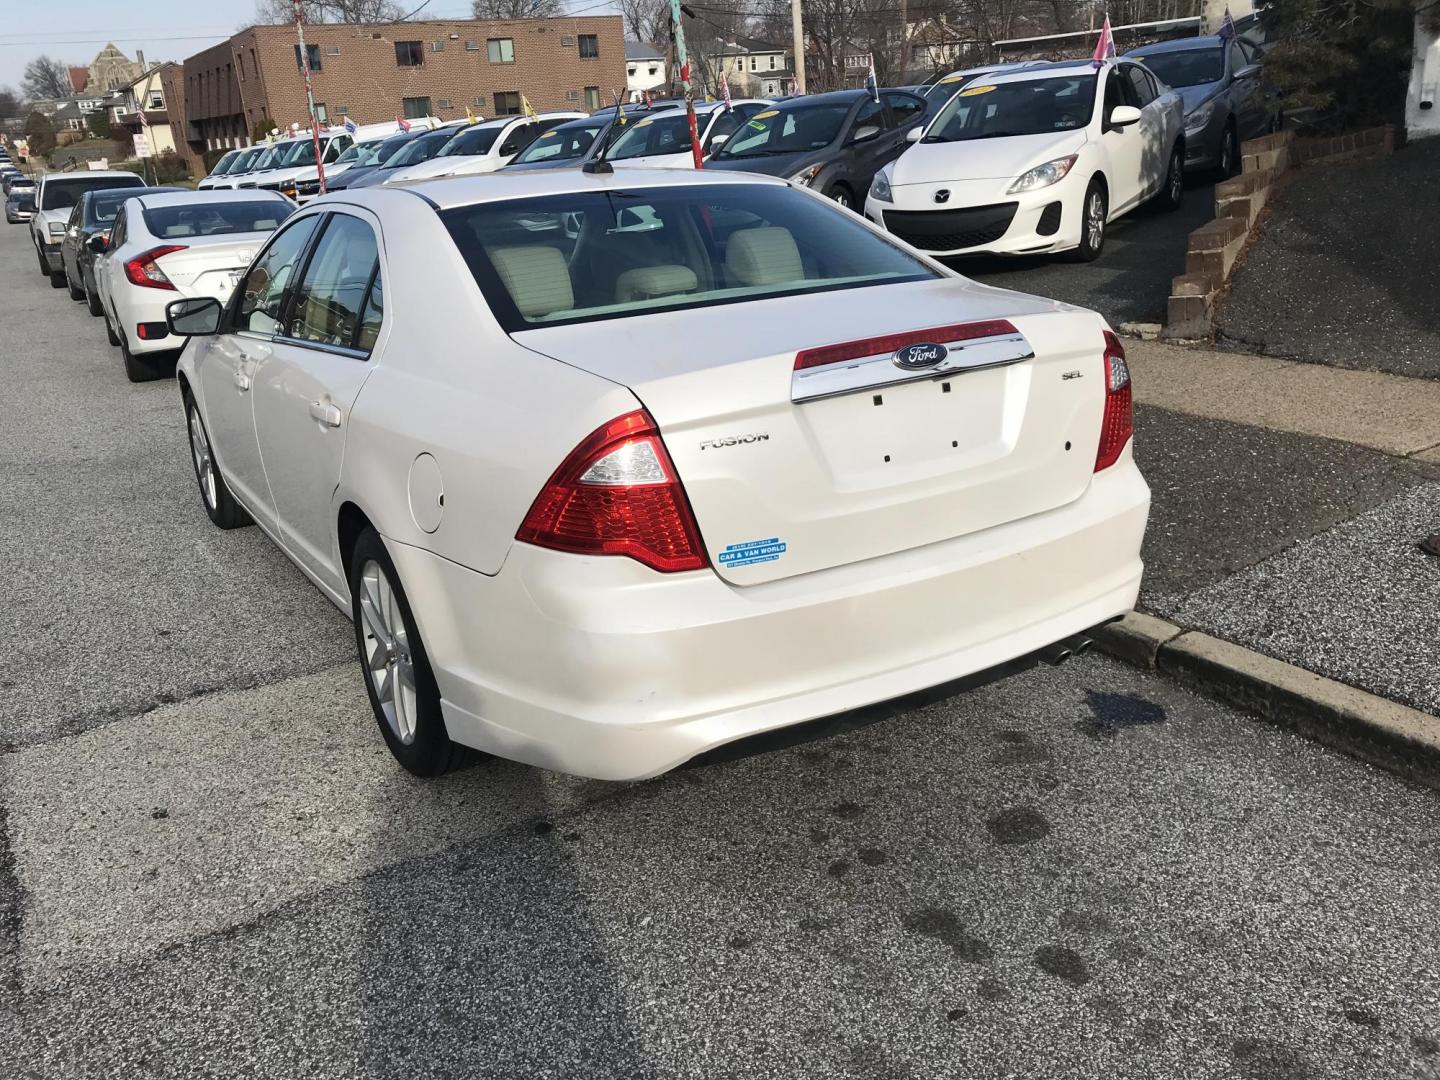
134,306
600,667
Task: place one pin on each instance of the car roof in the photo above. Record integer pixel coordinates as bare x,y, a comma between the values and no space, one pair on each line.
446,192
1206,41
1048,70
182,197
98,174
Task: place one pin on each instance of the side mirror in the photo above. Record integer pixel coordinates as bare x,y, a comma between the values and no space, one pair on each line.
1249,71
914,134
1122,116
193,316
98,243
865,134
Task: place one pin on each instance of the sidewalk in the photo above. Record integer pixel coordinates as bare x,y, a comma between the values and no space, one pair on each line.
1288,501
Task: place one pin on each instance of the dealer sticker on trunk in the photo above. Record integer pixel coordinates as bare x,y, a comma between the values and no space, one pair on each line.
752,551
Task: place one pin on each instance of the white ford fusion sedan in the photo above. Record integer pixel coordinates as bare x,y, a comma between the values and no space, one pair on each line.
610,469
1036,159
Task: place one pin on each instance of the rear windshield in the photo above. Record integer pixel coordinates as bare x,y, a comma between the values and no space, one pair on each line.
986,110
786,131
217,219
589,256
1188,67
63,193
563,143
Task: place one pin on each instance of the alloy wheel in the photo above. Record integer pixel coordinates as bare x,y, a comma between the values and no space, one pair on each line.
1177,178
388,662
204,461
1095,220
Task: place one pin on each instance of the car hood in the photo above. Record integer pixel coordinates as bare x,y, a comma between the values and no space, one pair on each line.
982,159
436,166
536,166
45,217
783,165
1194,96
351,175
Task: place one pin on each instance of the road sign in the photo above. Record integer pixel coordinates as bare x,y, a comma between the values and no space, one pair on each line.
142,146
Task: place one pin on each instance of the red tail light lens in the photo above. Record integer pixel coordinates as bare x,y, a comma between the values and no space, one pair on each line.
854,350
1119,423
142,270
618,494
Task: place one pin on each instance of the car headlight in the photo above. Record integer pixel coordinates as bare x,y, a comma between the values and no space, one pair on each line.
880,188
806,176
1042,176
1200,117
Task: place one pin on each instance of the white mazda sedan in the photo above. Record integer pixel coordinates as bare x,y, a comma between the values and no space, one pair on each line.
186,243
1037,159
610,469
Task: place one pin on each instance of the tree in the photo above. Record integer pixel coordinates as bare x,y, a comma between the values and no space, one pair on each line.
99,123
518,9
331,11
10,103
646,20
46,79
40,133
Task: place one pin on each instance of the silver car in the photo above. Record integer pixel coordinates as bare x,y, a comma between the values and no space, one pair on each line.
1219,83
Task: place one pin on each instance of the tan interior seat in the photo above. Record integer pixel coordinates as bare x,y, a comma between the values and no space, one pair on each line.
647,282
537,278
764,255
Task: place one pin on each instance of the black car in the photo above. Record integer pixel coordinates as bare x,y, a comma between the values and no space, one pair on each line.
92,215
834,143
421,146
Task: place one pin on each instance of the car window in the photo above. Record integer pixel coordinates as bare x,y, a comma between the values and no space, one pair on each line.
337,278
1237,58
118,231
105,205
610,254
561,143
262,295
725,124
63,192
1187,67
422,149
871,114
75,215
524,135
904,108
372,316
201,218
1247,51
1139,84
471,141
791,130
668,133
989,110
1117,92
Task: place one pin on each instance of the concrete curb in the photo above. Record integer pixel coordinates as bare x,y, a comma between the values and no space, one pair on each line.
1372,728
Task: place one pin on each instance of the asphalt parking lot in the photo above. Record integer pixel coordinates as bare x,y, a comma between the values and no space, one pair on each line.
210,866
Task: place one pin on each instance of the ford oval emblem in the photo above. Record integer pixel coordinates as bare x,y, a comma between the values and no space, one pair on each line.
917,357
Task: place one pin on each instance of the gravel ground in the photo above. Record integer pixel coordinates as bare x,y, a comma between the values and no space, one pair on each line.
1347,272
1359,603
1130,282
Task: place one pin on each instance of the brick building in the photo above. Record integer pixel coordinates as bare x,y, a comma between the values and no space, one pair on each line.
375,72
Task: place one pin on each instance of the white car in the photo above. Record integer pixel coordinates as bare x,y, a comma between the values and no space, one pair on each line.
55,198
167,245
662,140
484,147
1035,160
647,462
260,159
368,138
298,160
227,161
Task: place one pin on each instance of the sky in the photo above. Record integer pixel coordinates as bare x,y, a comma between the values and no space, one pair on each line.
73,31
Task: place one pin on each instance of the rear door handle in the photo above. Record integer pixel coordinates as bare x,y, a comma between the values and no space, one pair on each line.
329,415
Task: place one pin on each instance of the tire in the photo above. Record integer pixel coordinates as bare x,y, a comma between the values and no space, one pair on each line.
57,280
220,505
44,266
75,294
109,330
1229,154
148,366
1173,191
92,302
1092,234
841,194
398,678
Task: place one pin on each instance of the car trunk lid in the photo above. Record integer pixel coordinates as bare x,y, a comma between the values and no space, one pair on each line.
206,266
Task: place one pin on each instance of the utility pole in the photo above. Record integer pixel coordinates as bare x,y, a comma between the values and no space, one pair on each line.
798,45
309,91
683,59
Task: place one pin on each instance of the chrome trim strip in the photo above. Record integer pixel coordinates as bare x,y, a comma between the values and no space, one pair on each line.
322,346
872,372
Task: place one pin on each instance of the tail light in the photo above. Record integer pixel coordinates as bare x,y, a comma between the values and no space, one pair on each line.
1119,423
142,270
617,493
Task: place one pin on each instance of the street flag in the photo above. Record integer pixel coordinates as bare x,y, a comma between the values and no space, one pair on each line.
873,84
404,124
350,126
649,101
528,109
1105,47
470,116
1227,26
725,90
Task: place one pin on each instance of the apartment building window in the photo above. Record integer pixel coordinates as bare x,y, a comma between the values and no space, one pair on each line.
592,98
409,53
507,103
589,47
502,50
157,101
479,101
444,104
472,46
437,46
416,108
313,51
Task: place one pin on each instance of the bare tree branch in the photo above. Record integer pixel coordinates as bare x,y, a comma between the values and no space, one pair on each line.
518,9
46,78
332,11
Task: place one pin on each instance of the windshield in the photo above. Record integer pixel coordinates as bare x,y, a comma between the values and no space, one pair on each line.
668,133
422,149
584,257
472,141
794,130
268,158
363,153
561,144
1187,67
62,194
300,153
217,218
226,163
242,163
1030,107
